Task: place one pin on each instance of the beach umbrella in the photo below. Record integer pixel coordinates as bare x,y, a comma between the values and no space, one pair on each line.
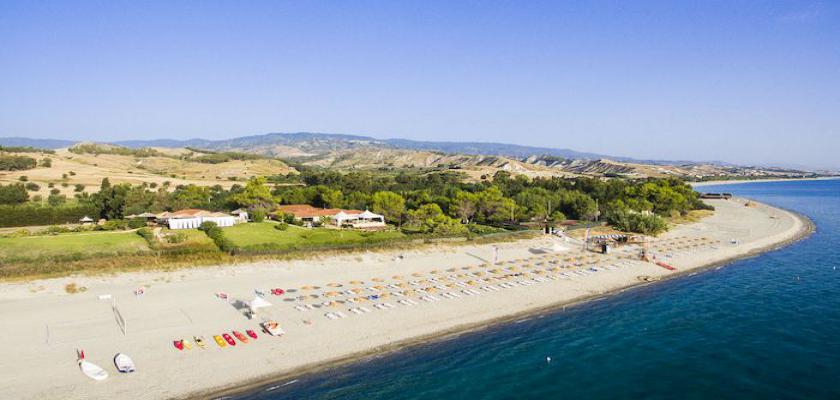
307,287
451,269
334,284
416,274
397,277
357,283
377,280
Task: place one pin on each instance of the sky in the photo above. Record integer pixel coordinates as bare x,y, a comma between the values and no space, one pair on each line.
745,82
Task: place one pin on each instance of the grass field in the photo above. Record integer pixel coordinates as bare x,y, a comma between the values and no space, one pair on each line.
71,245
263,235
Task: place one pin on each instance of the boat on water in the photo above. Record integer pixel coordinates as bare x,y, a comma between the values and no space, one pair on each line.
124,363
90,369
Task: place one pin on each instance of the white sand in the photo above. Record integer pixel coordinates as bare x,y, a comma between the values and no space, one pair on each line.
42,325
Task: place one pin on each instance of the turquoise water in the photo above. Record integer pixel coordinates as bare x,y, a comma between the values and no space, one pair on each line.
765,327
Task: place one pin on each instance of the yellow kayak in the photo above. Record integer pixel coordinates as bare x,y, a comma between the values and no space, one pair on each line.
187,344
219,341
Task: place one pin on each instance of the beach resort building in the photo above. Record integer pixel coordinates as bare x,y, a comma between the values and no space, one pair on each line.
335,217
193,218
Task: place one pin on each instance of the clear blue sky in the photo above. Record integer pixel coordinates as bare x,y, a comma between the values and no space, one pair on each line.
741,81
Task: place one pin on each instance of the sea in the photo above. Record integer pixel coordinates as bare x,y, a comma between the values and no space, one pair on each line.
766,327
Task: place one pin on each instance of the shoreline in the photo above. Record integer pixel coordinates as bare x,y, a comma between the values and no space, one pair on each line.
807,229
182,303
741,181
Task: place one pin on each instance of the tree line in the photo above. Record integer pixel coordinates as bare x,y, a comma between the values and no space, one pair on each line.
439,202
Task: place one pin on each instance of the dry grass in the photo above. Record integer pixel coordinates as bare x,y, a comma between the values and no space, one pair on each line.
72,288
691,217
89,169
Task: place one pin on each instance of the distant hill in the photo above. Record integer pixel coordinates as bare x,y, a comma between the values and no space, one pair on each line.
37,143
477,159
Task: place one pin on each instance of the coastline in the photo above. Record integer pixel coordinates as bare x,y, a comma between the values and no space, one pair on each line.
740,181
181,303
808,228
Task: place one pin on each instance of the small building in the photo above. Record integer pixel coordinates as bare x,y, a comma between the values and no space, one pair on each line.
337,217
362,220
193,218
240,214
86,220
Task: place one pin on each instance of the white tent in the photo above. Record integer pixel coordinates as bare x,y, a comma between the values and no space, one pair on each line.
257,303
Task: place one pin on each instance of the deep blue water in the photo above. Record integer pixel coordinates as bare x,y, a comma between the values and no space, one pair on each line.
765,327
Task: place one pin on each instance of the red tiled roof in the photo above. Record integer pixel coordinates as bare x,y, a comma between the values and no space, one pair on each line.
307,211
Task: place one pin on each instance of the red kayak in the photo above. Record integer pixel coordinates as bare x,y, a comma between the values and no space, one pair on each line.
251,333
179,344
242,338
229,339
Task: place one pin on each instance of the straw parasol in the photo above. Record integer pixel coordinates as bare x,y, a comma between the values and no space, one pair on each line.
378,280
334,285
397,277
434,271
416,274
357,283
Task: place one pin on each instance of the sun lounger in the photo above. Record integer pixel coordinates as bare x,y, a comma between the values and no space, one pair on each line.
356,311
331,315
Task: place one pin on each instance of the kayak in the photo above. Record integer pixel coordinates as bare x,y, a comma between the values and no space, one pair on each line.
242,338
187,344
124,363
179,344
199,340
251,333
93,371
229,339
219,341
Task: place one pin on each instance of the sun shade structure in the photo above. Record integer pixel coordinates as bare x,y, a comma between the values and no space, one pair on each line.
257,303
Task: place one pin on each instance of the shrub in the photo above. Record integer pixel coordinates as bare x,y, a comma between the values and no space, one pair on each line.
258,215
148,235
23,178
79,187
32,186
631,221
16,163
176,237
136,223
55,192
35,214
212,230
13,194
282,226
46,162
113,225
50,185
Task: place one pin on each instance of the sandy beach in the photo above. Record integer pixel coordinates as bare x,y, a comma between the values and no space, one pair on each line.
44,325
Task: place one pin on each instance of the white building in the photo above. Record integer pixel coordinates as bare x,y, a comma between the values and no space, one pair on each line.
192,219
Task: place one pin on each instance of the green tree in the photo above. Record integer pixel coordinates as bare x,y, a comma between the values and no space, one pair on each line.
256,195
389,204
465,205
13,194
